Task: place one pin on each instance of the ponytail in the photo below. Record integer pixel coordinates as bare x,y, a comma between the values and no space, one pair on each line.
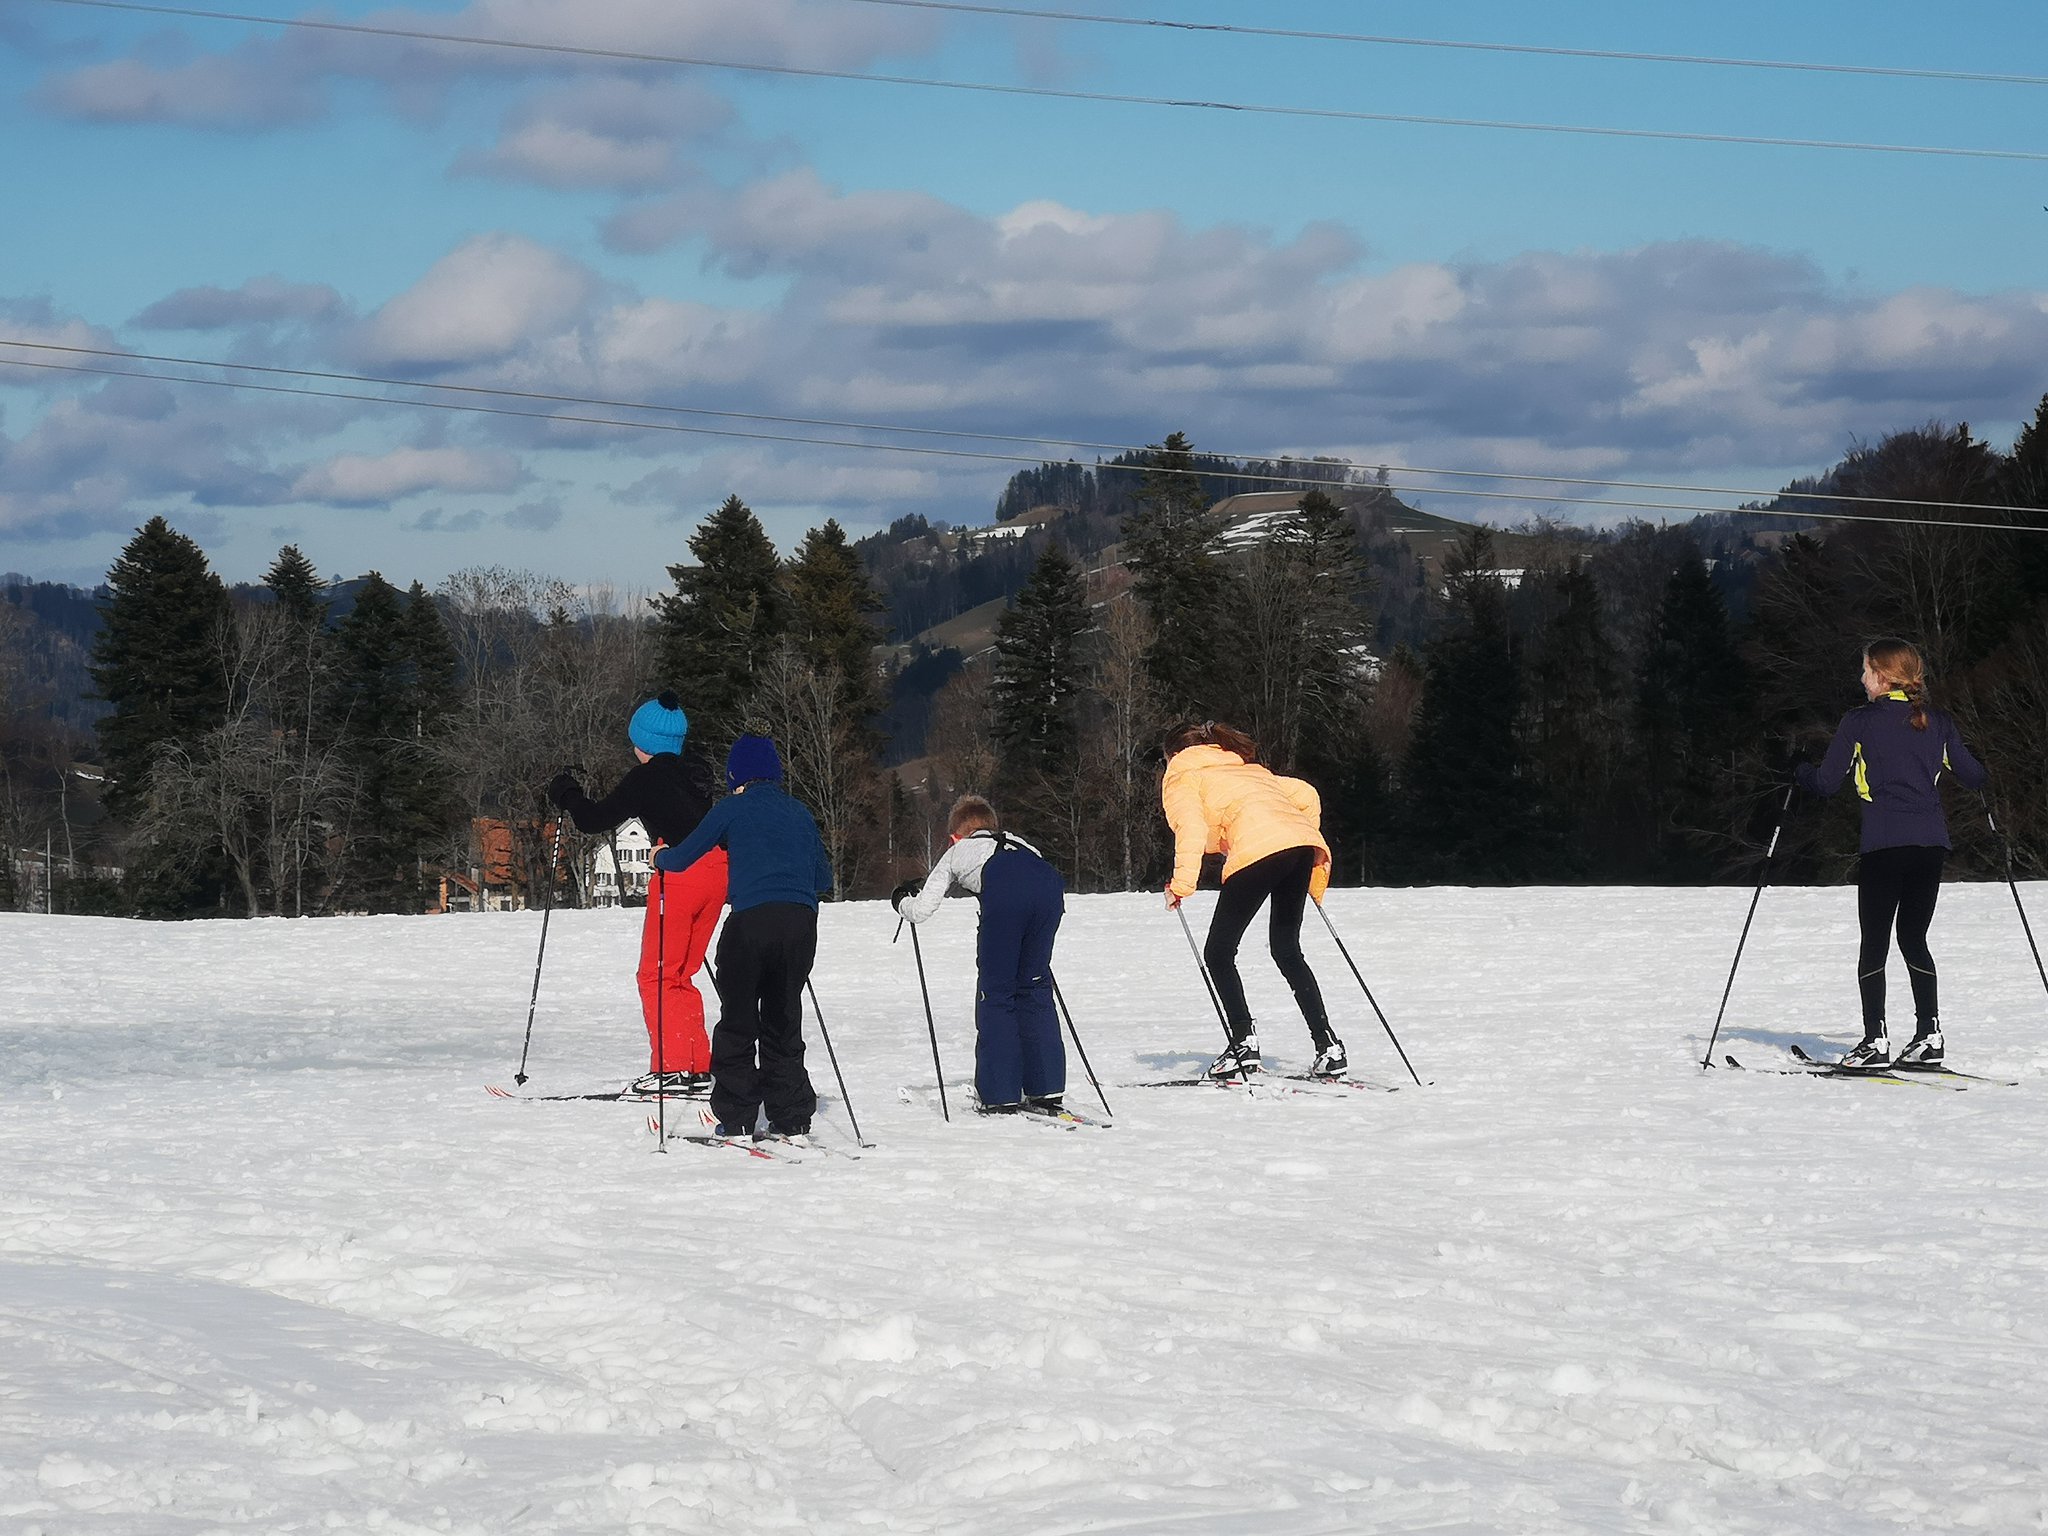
1899,663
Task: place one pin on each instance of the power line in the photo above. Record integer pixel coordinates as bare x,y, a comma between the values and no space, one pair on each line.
1292,482
603,402
1975,77
1056,93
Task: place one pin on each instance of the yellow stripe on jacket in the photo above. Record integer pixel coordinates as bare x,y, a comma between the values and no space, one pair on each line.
1216,802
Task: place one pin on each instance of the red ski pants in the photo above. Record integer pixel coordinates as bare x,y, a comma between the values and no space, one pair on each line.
682,910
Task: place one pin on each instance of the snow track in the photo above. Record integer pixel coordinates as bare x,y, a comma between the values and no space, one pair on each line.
270,1260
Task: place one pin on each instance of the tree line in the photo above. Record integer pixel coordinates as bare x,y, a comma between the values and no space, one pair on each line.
1616,706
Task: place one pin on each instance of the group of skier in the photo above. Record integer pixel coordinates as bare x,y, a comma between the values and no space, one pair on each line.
758,851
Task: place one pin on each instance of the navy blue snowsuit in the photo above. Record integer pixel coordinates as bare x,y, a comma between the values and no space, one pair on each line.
1017,1050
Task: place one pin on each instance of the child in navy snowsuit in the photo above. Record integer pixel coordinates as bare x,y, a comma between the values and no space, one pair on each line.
1018,1057
776,867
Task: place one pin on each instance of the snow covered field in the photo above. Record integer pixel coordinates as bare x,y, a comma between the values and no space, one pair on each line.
271,1260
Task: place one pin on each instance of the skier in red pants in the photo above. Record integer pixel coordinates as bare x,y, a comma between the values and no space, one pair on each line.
668,793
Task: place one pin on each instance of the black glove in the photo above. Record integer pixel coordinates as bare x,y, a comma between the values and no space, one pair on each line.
1782,758
904,892
561,787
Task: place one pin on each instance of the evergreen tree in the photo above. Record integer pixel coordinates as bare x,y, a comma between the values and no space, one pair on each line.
296,586
722,622
302,607
1040,669
1689,714
830,603
1298,628
1171,544
1574,688
2024,485
1467,812
157,660
395,689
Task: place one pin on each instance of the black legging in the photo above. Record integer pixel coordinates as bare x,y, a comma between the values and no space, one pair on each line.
1897,885
1283,877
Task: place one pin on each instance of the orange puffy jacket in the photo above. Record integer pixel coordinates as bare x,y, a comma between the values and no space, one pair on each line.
1216,802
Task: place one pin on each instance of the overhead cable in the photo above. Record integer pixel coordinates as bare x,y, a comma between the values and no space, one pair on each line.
962,434
1883,71
1293,482
1055,93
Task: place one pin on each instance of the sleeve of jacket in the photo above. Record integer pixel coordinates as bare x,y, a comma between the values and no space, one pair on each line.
602,815
698,843
925,904
1825,777
1959,759
1181,798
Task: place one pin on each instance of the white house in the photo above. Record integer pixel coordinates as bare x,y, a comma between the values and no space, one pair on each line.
611,881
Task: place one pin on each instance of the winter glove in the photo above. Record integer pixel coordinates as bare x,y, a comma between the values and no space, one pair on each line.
1319,881
561,787
904,892
1783,757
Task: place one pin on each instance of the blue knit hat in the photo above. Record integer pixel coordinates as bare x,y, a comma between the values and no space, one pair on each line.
659,726
751,758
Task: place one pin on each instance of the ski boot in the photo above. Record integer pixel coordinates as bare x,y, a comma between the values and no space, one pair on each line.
1240,1057
1045,1103
672,1084
1925,1049
1873,1055
1330,1060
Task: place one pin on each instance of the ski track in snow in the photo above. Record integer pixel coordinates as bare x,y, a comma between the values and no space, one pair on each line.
271,1260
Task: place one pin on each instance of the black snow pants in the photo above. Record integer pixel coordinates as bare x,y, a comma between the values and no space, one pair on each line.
1897,886
757,1050
1284,878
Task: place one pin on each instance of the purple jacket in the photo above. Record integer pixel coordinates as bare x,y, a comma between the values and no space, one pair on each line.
1896,769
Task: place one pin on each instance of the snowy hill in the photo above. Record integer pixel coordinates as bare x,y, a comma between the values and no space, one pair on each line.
271,1260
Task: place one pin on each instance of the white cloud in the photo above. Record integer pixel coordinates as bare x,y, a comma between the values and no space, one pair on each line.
485,299
363,479
1680,358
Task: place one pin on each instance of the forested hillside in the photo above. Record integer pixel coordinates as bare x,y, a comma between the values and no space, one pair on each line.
1544,703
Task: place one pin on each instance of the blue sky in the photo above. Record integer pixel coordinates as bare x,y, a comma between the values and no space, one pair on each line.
1462,298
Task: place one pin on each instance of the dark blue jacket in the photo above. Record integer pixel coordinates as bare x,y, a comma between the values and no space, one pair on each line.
772,844
1896,769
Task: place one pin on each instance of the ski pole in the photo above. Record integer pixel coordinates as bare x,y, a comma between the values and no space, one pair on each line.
1368,995
1061,998
547,910
930,1023
2013,886
660,1025
1763,875
834,1055
1208,981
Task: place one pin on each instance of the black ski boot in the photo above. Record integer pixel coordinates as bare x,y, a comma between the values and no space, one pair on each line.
1240,1057
1925,1049
1873,1055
